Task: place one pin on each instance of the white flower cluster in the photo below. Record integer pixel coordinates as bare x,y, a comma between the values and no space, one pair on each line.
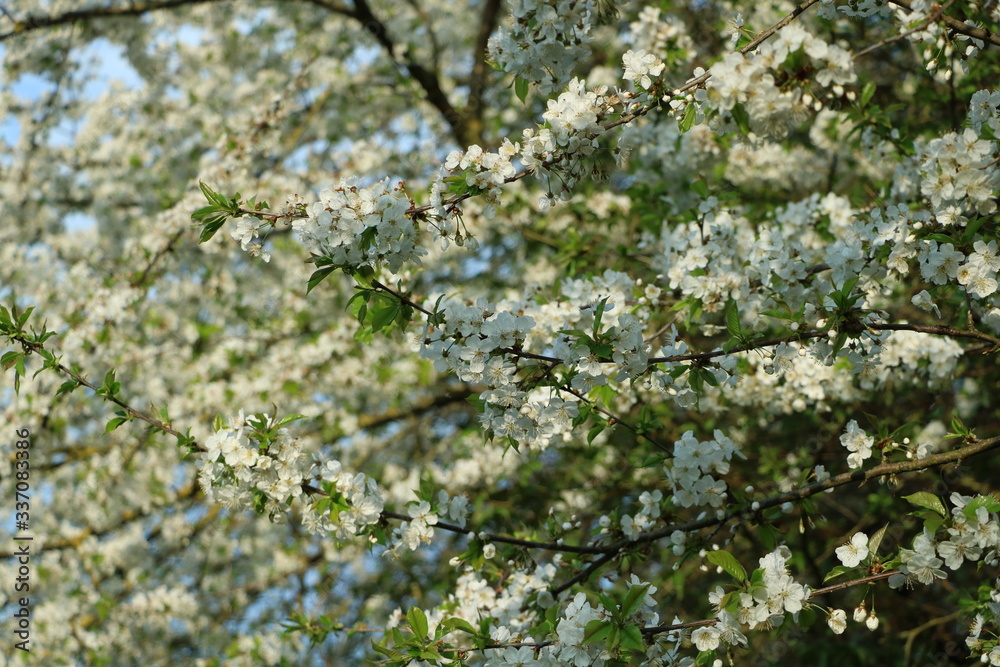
473,342
979,273
973,532
361,226
485,172
709,261
763,603
959,176
854,8
628,350
984,109
726,629
248,232
418,530
778,592
480,343
241,473
689,475
644,519
234,465
569,647
640,66
988,649
941,263
858,443
476,598
658,34
546,41
751,79
362,495
573,125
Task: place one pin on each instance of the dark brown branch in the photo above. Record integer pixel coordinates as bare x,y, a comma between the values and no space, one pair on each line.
959,26
660,629
480,71
31,22
456,393
428,80
501,539
939,330
858,476
648,632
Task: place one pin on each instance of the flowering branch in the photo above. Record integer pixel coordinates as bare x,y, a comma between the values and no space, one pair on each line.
32,22
958,26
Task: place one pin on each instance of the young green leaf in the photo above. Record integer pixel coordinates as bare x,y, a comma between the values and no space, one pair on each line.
927,500
728,563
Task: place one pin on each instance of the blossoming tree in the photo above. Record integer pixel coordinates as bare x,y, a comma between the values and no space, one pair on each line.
546,332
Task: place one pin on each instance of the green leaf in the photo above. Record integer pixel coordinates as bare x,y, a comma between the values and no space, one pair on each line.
384,316
991,504
633,599
687,121
742,118
114,423
733,318
876,540
418,622
319,276
364,275
476,401
973,227
599,314
9,359
700,188
728,563
24,317
211,195
597,631
459,624
521,88
866,93
288,420
603,350
211,227
927,500
632,638
695,380
392,655
836,572
67,386
932,520
849,286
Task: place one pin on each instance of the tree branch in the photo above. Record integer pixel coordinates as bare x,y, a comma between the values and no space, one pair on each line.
939,330
428,80
480,71
958,26
31,22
